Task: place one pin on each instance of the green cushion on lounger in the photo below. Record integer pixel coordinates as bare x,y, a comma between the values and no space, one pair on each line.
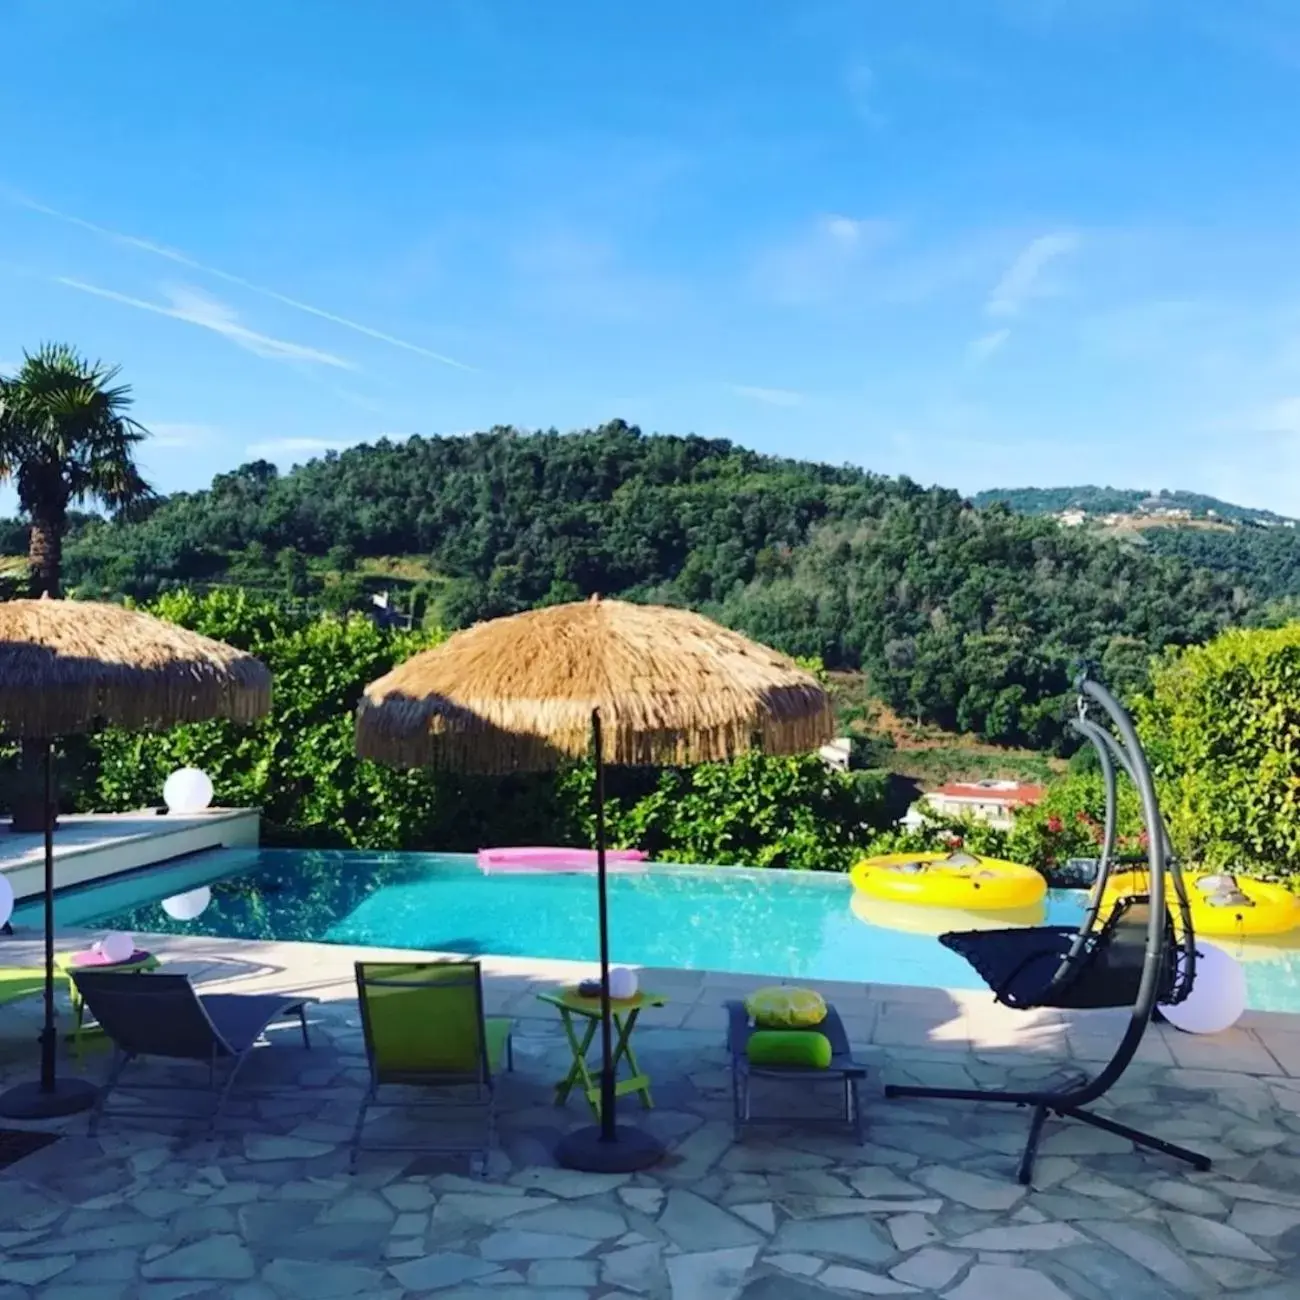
789,1047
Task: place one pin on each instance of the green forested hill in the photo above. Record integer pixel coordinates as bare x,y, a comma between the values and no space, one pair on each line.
1263,561
1047,501
1258,550
970,618
1109,500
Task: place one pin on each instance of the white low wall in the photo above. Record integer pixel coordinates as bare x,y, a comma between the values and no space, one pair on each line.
92,846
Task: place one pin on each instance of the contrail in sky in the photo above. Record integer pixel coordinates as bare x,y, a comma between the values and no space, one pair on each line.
183,259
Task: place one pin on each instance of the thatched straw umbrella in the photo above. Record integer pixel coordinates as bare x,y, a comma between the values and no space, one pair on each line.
636,685
69,666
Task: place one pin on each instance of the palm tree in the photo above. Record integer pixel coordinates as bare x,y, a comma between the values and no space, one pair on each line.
65,439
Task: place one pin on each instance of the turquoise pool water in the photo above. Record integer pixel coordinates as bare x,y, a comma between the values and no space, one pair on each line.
778,923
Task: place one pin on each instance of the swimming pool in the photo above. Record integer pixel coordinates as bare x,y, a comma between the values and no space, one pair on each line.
780,923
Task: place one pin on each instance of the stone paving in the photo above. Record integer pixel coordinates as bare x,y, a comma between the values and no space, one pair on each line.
928,1207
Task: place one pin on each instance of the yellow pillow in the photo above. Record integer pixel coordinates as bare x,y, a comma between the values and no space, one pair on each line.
786,1008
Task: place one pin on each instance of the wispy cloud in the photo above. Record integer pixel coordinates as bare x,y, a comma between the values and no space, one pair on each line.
179,433
768,396
287,449
196,308
1144,331
1280,417
184,259
1276,41
1023,279
571,272
981,349
813,266
860,84
934,63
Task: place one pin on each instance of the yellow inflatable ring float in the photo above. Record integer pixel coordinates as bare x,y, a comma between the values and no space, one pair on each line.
954,880
1221,903
779,1007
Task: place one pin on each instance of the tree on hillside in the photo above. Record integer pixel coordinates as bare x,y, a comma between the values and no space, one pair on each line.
66,439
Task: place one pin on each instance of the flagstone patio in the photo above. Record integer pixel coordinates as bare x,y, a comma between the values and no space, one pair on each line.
927,1207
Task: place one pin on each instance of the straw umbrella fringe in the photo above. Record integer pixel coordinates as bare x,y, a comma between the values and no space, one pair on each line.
631,684
68,666
516,694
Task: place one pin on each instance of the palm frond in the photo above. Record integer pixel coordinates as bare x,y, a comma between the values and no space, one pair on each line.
65,434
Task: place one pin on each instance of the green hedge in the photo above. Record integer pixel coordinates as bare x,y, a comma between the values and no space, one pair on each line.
1221,723
299,767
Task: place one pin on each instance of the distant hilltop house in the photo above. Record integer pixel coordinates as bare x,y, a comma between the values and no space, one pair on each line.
1072,518
837,754
994,802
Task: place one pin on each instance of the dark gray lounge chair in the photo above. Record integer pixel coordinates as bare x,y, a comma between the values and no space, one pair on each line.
162,1015
843,1070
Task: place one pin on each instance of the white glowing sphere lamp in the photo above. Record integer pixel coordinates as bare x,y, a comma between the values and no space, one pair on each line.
1218,996
187,790
116,947
188,906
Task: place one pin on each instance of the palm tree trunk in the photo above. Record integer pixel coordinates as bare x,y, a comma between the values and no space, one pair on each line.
45,557
45,562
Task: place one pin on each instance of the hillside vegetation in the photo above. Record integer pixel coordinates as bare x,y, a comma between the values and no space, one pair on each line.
1108,500
1255,550
969,619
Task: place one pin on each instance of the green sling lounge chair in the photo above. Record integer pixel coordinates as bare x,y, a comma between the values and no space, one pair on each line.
162,1015
424,1028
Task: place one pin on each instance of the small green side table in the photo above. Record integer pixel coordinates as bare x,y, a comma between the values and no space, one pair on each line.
573,1006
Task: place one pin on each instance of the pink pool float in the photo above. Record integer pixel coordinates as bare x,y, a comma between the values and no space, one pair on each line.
534,858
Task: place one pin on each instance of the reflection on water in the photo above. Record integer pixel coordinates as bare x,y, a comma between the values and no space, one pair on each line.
1272,966
911,919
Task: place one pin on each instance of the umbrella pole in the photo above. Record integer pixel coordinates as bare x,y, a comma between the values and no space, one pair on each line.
50,1096
607,1147
49,1034
608,1093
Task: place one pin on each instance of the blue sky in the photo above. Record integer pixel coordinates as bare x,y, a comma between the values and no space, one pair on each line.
979,242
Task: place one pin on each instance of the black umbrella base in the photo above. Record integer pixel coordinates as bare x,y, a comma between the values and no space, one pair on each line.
631,1149
31,1101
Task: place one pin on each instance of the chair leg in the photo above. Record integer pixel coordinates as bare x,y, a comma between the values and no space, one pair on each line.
355,1150
302,1021
1025,1174
857,1111
119,1063
1136,1136
491,1130
224,1095
510,1053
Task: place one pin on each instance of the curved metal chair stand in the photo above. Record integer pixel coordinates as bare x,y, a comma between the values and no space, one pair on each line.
1137,957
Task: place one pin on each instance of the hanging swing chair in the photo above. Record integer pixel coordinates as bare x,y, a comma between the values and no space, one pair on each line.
1136,957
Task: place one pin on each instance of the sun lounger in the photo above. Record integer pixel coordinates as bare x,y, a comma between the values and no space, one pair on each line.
424,1028
163,1016
842,1070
